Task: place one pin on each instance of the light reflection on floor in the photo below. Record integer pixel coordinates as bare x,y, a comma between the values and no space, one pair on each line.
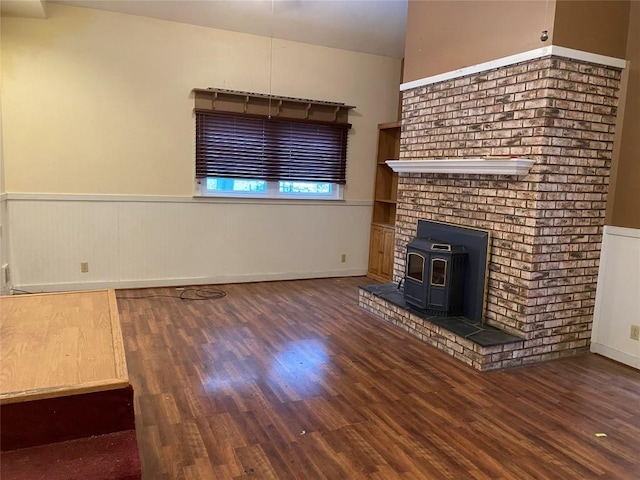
299,367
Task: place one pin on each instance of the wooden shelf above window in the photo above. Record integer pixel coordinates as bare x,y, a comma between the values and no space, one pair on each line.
235,101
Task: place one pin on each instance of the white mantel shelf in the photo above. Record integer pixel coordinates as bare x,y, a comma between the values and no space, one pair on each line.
466,166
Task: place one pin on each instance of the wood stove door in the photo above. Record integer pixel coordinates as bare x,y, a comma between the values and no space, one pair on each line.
438,284
415,281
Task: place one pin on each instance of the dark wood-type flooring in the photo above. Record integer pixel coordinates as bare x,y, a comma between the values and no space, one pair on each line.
292,380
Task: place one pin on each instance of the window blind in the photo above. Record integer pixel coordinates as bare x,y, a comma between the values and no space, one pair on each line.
242,146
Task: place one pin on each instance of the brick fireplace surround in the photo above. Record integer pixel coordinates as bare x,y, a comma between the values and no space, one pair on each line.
546,226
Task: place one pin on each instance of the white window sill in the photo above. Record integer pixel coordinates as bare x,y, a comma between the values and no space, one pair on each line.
265,200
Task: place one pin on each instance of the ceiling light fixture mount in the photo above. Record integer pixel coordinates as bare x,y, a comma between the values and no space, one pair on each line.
545,33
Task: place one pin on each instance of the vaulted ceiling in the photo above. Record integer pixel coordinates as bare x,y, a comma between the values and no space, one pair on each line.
369,26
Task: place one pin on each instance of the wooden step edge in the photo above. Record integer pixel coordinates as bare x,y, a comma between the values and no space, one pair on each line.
63,391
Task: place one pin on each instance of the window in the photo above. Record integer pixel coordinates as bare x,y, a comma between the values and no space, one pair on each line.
415,269
438,272
249,154
218,186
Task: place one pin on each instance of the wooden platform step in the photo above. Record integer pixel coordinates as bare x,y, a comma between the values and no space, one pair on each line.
65,398
60,344
112,456
63,368
51,420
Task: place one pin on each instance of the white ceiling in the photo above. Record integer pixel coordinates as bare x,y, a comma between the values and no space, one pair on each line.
369,26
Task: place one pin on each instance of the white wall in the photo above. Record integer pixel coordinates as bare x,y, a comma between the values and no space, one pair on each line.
100,103
4,245
99,153
132,241
618,296
4,226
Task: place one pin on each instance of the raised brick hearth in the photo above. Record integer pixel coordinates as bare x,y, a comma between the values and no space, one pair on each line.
546,226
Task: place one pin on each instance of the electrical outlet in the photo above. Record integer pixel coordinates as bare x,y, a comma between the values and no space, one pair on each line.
635,332
6,274
343,258
84,267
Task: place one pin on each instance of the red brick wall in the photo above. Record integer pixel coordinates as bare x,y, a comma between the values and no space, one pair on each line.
546,227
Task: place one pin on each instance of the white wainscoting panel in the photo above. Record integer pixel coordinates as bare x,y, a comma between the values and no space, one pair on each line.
50,239
172,240
618,296
139,242
4,242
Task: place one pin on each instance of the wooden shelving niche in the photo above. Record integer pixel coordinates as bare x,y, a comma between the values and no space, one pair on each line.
384,204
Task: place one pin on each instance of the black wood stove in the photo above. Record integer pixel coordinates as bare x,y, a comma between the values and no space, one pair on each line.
435,276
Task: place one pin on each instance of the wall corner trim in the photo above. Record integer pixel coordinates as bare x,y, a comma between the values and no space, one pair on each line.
114,198
121,283
517,58
616,355
621,231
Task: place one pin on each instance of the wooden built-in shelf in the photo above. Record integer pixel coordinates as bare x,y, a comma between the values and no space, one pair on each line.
384,206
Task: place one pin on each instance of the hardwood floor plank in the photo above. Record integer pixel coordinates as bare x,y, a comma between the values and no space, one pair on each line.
292,380
255,463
